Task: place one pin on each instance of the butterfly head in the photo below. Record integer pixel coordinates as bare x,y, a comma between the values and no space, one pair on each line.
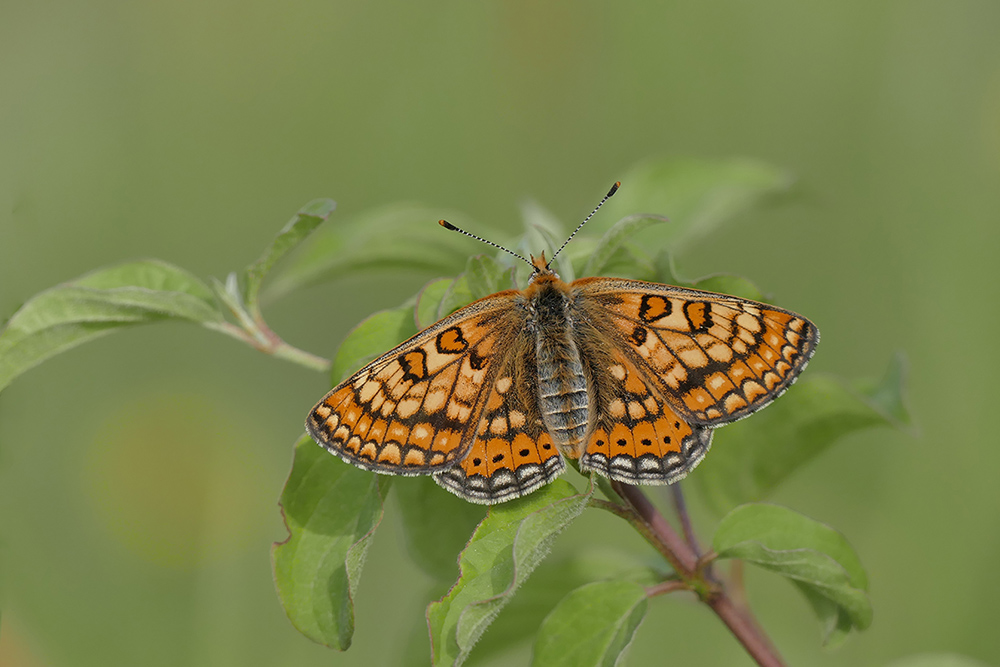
540,267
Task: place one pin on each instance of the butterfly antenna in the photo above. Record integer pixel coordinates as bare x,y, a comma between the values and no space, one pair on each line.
612,191
448,225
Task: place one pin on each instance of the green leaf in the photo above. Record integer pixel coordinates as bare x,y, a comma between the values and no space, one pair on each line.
456,296
291,235
542,232
371,338
936,660
613,239
331,510
429,299
814,556
436,525
697,195
721,283
888,395
553,580
724,283
98,303
592,626
750,458
486,276
834,623
506,547
397,237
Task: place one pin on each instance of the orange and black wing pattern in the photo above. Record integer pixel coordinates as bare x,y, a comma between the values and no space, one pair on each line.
411,411
714,358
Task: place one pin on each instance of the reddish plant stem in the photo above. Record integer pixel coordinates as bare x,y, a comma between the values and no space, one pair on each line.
686,564
665,587
682,514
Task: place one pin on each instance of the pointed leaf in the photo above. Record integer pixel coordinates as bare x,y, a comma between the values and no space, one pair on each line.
508,545
331,510
397,237
551,582
612,240
374,336
697,195
457,295
291,235
724,283
429,301
592,626
721,283
811,554
752,457
542,232
95,304
486,276
888,395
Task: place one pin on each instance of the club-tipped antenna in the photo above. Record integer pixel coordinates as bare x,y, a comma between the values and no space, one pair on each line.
612,191
448,225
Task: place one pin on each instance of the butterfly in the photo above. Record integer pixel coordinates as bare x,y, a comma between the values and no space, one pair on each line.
628,377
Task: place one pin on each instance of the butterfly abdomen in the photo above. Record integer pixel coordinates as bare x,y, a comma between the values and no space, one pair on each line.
562,385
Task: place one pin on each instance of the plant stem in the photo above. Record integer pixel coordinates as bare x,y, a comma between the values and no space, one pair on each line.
289,353
269,343
682,514
685,561
665,587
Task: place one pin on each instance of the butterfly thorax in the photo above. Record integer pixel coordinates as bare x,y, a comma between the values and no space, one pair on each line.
561,383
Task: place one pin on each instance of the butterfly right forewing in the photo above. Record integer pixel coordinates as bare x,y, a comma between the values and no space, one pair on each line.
715,358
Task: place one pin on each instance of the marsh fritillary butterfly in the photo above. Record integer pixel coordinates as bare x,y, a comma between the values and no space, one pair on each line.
629,377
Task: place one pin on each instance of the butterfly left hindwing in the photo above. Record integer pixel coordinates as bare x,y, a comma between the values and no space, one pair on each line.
511,454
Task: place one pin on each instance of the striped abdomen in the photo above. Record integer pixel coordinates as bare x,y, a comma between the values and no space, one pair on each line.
562,385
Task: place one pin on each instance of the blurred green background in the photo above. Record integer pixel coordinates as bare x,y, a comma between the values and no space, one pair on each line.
139,474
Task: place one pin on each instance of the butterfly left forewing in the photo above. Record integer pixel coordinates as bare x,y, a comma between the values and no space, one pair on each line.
714,358
409,411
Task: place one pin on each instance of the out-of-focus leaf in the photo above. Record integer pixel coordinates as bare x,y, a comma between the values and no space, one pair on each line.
724,283
429,301
751,457
542,232
374,336
554,579
937,660
592,626
720,283
457,295
98,303
510,542
697,195
818,559
486,276
331,510
292,234
888,395
401,236
436,525
613,239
